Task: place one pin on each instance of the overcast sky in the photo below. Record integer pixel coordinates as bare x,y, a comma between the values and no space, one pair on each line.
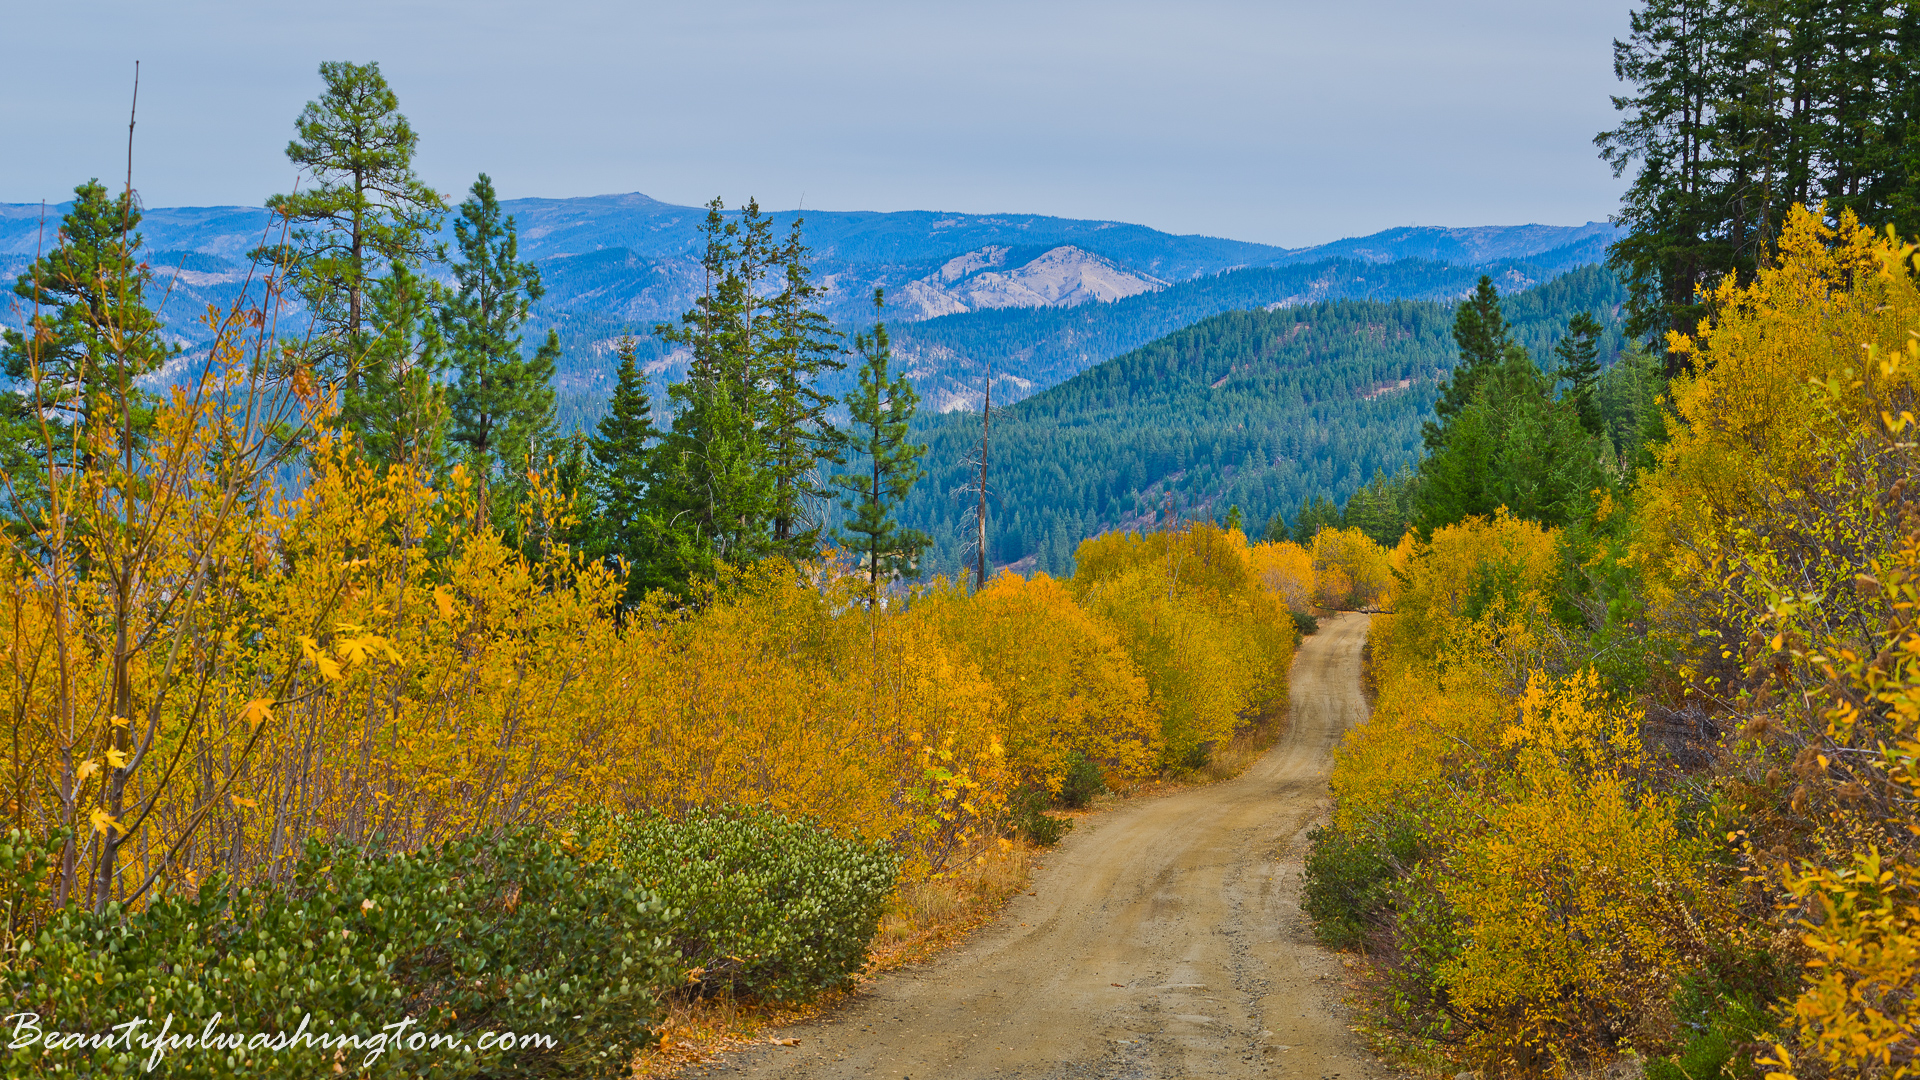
1283,122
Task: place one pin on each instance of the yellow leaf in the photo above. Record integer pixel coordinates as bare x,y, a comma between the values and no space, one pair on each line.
248,803
103,820
444,600
117,758
87,768
258,711
352,650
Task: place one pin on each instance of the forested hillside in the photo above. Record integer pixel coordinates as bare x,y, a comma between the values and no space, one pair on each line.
1030,349
1255,409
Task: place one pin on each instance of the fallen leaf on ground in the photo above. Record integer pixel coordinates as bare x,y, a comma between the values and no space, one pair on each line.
784,1042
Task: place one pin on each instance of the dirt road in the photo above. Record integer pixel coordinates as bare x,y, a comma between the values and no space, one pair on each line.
1165,940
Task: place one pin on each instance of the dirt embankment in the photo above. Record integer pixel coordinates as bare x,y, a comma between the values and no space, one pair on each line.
1161,939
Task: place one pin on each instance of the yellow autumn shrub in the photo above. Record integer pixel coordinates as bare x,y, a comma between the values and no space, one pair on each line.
1213,643
1581,892
1350,571
1066,683
1285,569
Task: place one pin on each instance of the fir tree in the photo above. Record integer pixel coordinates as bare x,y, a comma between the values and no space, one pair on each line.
1481,332
1577,362
880,410
799,436
89,337
1513,446
622,469
399,407
362,210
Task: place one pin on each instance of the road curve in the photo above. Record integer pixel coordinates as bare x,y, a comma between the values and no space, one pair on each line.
1165,940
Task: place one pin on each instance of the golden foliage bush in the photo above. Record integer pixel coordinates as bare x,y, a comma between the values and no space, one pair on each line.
208,666
1067,684
1593,883
1213,643
1571,889
1350,571
1285,569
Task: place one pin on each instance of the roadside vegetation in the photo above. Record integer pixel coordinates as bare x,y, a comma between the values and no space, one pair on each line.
342,690
1639,783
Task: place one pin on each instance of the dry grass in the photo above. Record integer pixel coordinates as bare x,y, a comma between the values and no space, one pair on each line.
1245,747
923,919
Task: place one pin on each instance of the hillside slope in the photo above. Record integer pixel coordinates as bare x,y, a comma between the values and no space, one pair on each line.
1258,409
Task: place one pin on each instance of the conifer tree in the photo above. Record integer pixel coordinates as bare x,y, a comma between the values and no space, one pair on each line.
1513,446
880,410
1738,110
89,337
711,489
503,403
399,408
361,211
800,438
1481,331
1577,362
622,467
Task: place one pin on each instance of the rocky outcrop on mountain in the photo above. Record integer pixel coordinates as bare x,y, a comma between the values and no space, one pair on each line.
1060,277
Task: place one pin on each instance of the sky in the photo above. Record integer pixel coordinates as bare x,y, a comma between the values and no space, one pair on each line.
1279,122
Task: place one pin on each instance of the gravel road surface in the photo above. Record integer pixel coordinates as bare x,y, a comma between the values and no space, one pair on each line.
1164,939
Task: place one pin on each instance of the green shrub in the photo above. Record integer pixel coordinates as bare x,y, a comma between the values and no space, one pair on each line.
1720,1022
497,935
1349,880
763,905
1305,624
1031,820
1082,782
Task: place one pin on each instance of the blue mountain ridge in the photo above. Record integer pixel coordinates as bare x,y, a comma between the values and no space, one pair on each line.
618,263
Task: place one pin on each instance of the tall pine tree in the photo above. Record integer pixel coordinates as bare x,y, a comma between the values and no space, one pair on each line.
1481,332
880,411
622,473
1577,361
503,404
799,345
362,211
89,338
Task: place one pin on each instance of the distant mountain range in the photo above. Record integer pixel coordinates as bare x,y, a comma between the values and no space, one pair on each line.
1035,298
1257,409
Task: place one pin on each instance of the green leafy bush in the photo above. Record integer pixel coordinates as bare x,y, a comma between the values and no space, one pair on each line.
763,905
1305,624
1028,808
1722,1021
1349,881
1082,782
496,935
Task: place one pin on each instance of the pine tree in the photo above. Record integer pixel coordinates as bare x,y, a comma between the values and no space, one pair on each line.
880,410
1577,362
1739,110
89,338
503,403
362,211
732,475
622,469
1513,446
